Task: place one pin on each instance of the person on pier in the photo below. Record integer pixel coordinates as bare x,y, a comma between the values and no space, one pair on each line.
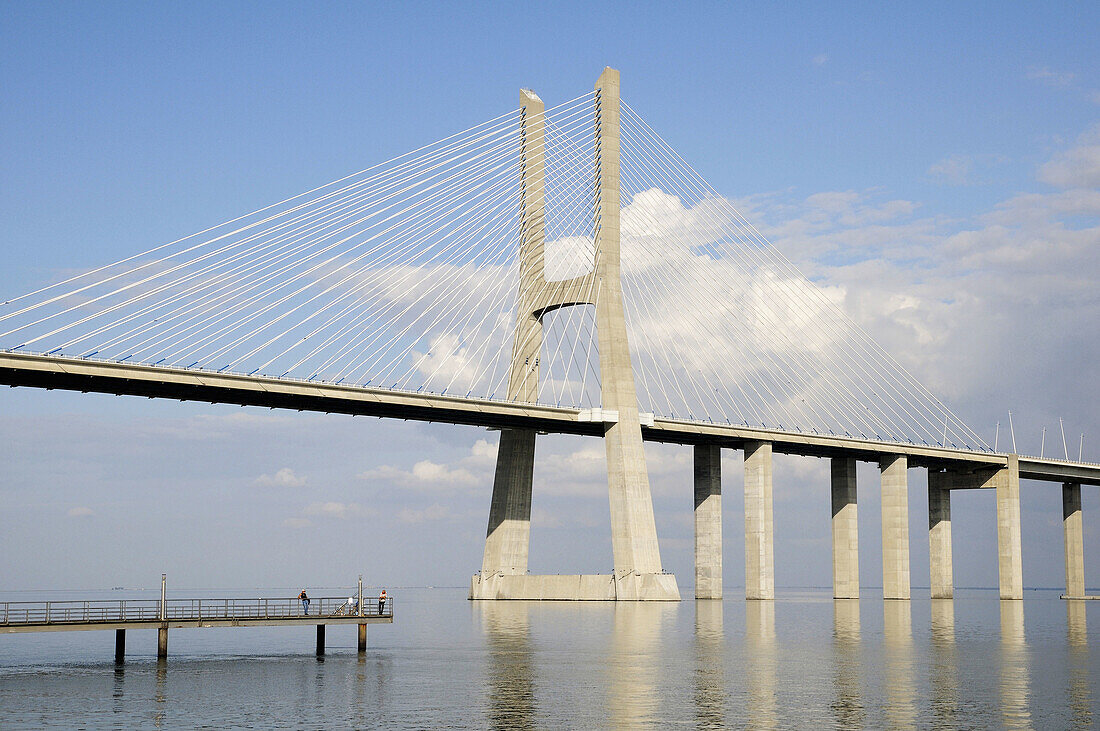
382,601
304,598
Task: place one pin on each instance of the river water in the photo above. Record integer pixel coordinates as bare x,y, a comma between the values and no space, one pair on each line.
803,660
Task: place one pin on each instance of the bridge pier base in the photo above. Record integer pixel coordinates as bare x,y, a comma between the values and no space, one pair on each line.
162,643
759,555
1074,531
845,529
1009,552
120,645
942,579
895,527
708,521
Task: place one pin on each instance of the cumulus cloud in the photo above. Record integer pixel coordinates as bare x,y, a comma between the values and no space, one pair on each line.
79,512
470,471
285,477
1077,167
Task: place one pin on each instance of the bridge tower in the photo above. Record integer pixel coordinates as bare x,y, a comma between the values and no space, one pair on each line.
638,574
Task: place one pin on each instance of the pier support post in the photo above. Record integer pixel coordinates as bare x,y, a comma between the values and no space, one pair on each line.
362,644
939,536
120,645
759,556
1009,552
708,521
1073,528
162,643
320,640
845,529
895,527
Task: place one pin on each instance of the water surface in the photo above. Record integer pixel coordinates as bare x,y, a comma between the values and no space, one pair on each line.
802,660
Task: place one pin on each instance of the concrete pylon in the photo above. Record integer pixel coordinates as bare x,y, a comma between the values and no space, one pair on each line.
941,569
708,521
638,574
508,536
1009,552
895,527
759,550
1074,539
845,529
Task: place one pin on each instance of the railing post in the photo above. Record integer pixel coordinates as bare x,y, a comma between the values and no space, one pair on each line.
47,612
163,594
360,604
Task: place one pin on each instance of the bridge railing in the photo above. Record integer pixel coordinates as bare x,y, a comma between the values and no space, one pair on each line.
150,610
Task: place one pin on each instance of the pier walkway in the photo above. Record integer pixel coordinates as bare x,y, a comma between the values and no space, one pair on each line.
164,614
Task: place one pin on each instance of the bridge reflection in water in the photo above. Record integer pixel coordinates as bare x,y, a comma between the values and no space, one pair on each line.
631,665
848,708
944,664
1014,683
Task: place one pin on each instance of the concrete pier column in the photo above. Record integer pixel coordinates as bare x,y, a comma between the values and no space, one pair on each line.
1074,531
320,640
845,530
759,556
508,537
895,527
162,643
708,521
362,643
120,645
1009,552
939,536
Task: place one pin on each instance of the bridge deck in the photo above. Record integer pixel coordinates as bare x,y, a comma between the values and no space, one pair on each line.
75,374
68,616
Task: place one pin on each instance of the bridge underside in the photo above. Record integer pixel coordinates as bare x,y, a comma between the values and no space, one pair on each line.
123,379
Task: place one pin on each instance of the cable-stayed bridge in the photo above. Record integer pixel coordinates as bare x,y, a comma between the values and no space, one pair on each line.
556,270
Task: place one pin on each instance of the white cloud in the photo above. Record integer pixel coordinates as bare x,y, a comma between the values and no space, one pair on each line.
285,477
297,523
953,170
79,512
820,59
337,510
429,514
474,470
1077,167
1049,76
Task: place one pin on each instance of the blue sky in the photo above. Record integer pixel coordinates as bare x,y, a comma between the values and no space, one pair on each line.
937,163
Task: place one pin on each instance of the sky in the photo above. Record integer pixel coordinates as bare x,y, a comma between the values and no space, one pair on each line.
938,167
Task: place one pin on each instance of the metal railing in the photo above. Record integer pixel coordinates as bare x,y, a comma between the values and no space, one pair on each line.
173,610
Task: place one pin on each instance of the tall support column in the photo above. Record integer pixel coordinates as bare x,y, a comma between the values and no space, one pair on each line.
708,521
508,537
939,536
162,643
633,529
120,645
845,530
320,640
895,527
759,557
361,644
1009,552
1074,538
